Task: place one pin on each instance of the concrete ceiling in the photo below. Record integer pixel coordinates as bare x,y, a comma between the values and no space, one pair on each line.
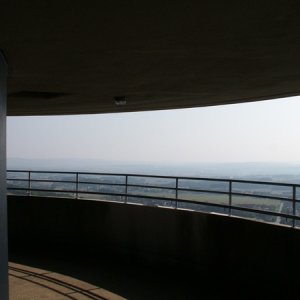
74,57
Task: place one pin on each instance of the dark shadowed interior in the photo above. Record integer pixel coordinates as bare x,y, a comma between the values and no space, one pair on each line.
89,57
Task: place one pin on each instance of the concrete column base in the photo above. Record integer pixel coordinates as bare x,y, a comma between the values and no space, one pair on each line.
3,201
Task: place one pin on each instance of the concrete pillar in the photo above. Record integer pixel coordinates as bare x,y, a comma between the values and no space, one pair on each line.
3,202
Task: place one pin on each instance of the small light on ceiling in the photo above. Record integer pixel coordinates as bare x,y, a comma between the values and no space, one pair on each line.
120,100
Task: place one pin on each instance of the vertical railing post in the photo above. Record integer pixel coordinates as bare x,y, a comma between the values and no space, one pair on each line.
126,188
176,194
230,196
29,183
77,183
294,204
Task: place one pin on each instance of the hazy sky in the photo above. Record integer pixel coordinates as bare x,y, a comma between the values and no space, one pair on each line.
266,131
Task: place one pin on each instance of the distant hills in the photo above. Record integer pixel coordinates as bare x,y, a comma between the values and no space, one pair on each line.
261,170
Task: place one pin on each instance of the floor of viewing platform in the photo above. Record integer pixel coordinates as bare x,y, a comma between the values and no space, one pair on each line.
57,278
28,282
38,277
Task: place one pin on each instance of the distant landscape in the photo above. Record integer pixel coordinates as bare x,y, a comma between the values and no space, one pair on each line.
160,191
277,172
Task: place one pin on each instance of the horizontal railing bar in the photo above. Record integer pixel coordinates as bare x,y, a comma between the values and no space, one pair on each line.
152,186
158,187
276,214
262,196
102,174
129,175
18,171
165,177
41,190
121,195
68,181
93,193
52,181
203,203
242,209
172,198
79,192
265,212
240,181
102,183
129,195
203,191
264,182
74,182
43,172
14,179
180,178
170,188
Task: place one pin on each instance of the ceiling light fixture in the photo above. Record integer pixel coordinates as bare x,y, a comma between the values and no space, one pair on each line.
120,100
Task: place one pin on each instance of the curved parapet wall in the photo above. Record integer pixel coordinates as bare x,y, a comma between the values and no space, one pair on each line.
160,236
265,201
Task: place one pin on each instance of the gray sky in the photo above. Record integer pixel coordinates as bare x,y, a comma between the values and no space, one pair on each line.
266,131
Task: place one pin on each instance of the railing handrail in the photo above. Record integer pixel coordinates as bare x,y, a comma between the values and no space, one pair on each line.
175,189
162,176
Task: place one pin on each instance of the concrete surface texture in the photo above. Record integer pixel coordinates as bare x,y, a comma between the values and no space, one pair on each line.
29,283
69,57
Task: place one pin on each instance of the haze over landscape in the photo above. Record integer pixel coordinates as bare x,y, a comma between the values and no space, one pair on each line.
253,141
258,138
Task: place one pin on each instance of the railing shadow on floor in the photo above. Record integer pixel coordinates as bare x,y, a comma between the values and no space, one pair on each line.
67,287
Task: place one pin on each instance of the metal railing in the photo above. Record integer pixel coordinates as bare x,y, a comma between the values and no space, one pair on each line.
264,201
